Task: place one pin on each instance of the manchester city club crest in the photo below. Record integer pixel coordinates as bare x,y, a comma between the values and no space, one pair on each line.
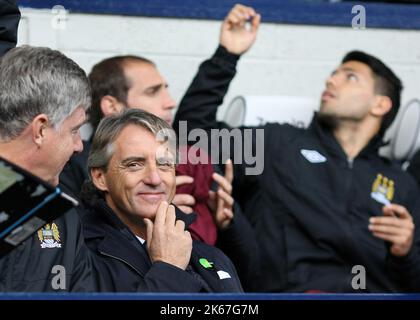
49,236
383,189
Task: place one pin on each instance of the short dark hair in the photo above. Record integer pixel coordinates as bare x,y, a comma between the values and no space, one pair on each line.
386,83
107,78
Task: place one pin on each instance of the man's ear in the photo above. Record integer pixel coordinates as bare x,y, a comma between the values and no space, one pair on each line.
110,105
39,129
382,106
98,179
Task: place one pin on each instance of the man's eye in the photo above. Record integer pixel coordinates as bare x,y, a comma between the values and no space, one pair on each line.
133,165
152,93
166,164
352,77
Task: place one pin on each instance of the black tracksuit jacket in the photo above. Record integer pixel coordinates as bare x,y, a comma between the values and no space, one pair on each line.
311,218
123,264
30,267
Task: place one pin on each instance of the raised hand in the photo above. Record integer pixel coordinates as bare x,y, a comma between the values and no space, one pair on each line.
239,29
167,239
184,201
221,202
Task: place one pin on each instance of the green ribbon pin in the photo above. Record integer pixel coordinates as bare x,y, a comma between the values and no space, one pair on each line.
205,263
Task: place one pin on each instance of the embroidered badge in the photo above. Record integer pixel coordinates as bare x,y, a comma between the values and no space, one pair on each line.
383,189
313,156
49,236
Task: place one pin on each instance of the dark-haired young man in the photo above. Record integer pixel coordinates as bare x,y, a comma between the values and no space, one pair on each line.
329,213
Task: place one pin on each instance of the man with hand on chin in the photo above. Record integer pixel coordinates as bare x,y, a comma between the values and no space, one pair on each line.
141,243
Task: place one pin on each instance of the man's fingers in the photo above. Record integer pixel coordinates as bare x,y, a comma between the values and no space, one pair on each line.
387,237
149,230
229,171
170,217
397,210
180,180
245,11
212,195
223,182
390,230
392,221
225,197
234,18
161,214
180,225
255,23
228,213
186,209
240,14
183,199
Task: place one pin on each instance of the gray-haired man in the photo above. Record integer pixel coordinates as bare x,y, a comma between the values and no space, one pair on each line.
43,98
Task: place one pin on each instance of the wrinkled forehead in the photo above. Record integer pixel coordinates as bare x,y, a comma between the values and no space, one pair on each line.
135,140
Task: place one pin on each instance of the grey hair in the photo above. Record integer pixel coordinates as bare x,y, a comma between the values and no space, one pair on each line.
37,80
110,128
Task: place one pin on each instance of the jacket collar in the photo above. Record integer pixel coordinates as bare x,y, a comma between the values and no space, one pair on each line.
333,147
105,225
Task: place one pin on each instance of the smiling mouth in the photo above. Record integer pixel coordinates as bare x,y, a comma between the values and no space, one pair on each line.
152,197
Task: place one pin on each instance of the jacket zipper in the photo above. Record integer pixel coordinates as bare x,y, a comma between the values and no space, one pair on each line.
122,260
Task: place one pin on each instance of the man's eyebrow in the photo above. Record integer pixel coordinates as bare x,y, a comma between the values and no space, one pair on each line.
130,159
155,87
349,69
79,125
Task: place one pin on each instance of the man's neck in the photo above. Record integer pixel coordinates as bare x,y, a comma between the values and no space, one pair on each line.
19,153
354,136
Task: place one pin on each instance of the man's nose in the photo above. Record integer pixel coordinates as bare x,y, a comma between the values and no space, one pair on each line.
169,102
78,144
152,176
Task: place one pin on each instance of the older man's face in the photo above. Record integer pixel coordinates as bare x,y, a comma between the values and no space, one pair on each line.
59,145
139,176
